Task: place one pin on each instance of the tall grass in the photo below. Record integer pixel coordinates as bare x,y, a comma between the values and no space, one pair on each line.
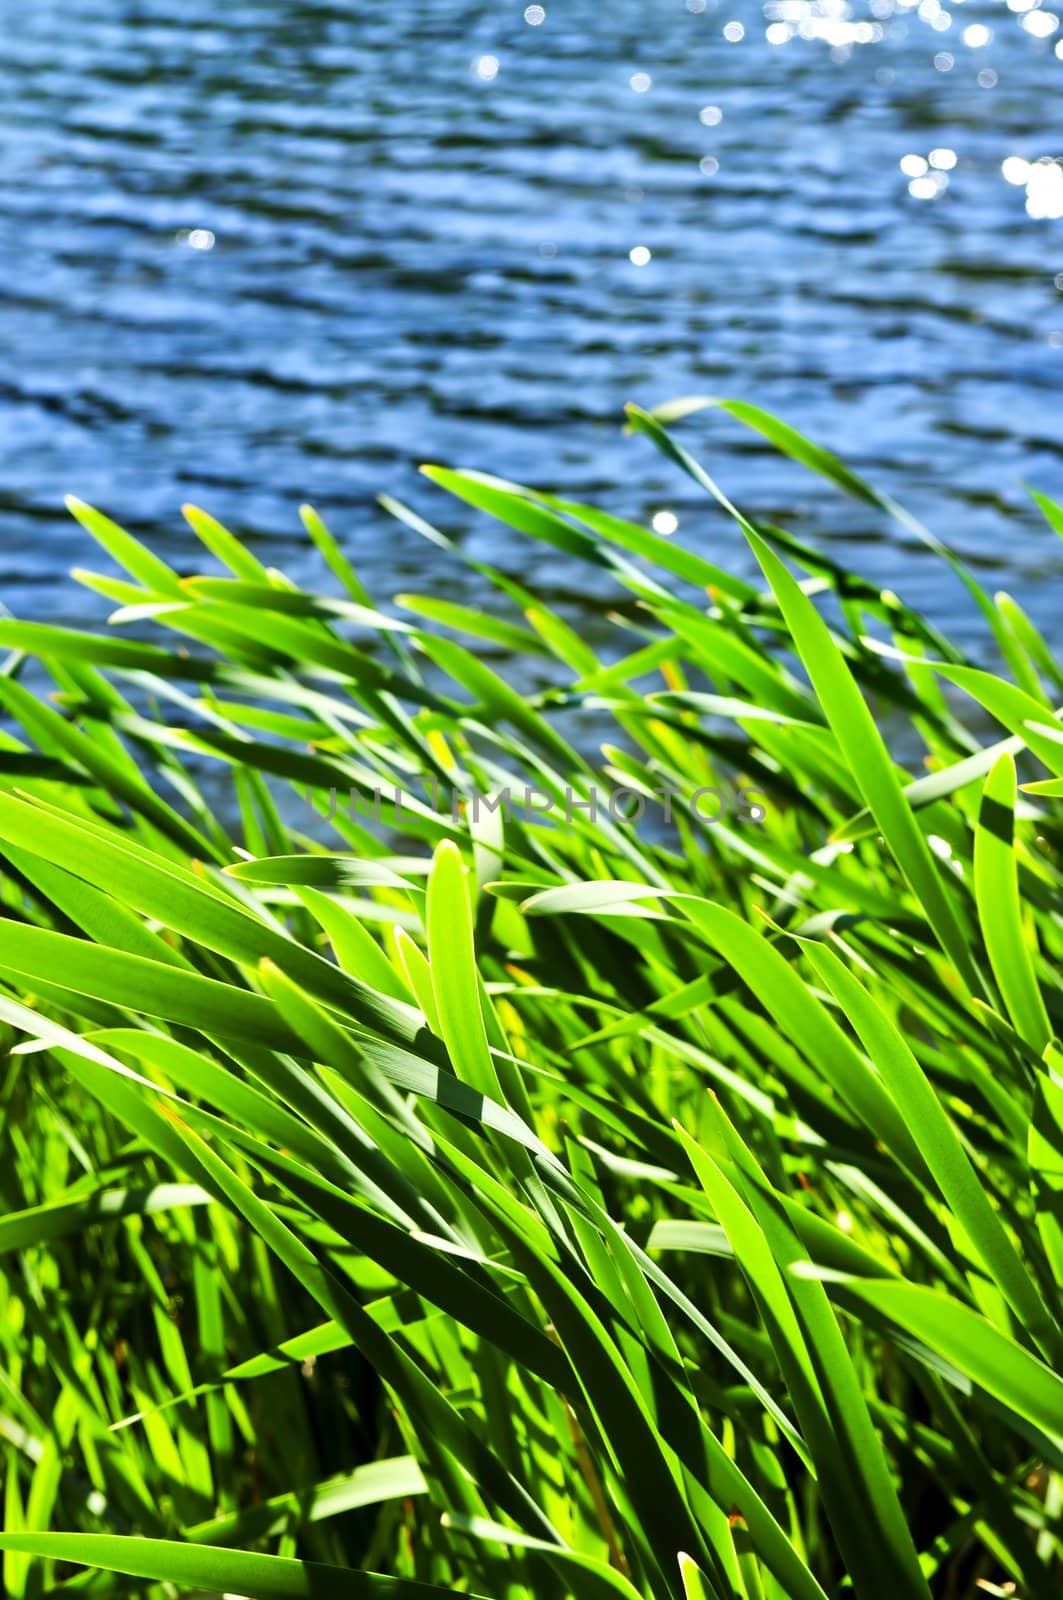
525,1200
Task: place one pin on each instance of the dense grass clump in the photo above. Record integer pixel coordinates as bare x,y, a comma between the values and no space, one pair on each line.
531,1199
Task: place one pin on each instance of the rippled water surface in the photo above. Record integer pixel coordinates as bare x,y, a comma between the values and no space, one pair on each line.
267,251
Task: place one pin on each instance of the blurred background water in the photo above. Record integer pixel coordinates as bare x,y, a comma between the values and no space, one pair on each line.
272,251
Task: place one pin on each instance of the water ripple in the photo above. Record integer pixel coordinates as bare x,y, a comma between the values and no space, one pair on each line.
277,251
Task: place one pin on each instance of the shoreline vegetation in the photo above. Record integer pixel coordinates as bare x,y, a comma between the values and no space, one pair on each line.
532,1202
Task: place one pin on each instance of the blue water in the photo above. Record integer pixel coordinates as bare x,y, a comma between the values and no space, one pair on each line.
273,251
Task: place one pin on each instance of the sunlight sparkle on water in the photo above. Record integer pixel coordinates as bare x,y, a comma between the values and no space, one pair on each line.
710,116
733,32
197,238
975,36
665,522
640,82
928,188
486,68
1044,189
828,21
1015,170
639,256
534,15
1043,182
927,184
932,11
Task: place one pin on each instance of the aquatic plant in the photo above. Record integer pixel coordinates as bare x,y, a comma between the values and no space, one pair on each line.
611,1193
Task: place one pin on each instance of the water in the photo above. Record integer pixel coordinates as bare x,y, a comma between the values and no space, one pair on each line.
272,251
